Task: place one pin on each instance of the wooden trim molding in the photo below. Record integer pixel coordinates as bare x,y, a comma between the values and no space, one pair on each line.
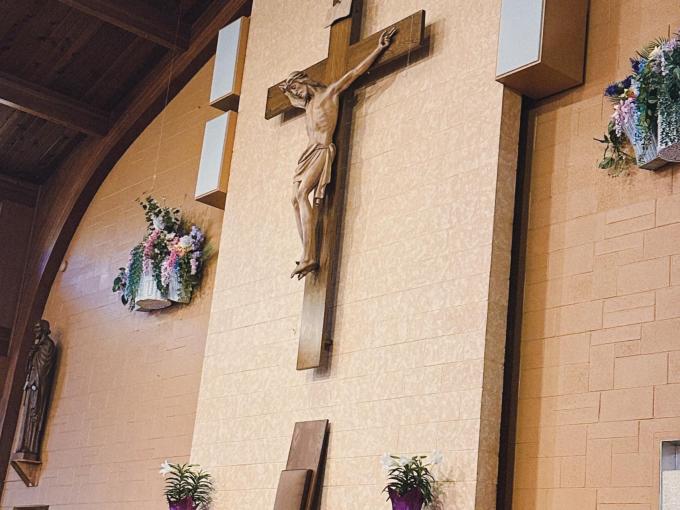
510,400
69,191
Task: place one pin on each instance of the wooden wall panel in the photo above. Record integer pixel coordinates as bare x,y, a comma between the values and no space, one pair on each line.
15,231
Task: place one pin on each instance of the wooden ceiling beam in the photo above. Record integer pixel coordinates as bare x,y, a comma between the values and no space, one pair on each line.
16,190
51,106
138,18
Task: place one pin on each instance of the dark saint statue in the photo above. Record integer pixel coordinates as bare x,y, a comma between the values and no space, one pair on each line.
37,390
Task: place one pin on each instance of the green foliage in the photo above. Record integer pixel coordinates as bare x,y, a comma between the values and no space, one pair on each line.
185,480
412,474
647,102
127,281
169,218
671,78
646,52
616,160
171,248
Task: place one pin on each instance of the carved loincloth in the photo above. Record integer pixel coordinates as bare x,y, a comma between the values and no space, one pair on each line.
317,159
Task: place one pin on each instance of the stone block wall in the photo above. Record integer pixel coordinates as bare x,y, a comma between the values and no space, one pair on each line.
420,319
600,342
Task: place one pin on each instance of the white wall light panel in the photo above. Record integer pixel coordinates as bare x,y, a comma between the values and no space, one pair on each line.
215,165
229,60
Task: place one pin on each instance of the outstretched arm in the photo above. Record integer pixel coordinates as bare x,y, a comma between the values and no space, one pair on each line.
344,83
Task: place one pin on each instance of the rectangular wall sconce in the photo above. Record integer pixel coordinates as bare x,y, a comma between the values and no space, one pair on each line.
228,73
225,93
541,47
213,170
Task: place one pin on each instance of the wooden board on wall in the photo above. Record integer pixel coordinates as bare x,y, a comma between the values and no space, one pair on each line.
15,224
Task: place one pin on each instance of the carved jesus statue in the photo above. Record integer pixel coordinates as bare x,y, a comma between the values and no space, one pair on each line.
321,104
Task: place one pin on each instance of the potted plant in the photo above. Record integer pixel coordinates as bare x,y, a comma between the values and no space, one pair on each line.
166,266
186,486
646,110
411,481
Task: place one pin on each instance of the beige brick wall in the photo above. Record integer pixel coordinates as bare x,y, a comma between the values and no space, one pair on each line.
127,383
420,320
600,343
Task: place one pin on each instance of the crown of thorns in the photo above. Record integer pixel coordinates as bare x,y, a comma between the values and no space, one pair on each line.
299,77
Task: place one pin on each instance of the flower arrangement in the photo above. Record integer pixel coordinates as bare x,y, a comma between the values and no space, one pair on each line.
170,256
411,482
646,112
186,486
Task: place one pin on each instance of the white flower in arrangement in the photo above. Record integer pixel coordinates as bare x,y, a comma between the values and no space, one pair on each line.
185,242
656,53
170,236
158,223
635,87
387,461
165,468
436,458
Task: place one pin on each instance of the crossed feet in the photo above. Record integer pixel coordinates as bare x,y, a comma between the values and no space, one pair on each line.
303,268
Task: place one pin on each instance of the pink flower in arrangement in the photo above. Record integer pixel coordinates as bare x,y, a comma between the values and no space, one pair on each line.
624,113
171,263
169,267
149,245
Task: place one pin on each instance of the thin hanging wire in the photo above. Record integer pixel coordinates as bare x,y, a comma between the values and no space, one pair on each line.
410,46
167,98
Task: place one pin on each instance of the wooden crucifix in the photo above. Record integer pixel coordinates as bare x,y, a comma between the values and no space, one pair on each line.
325,162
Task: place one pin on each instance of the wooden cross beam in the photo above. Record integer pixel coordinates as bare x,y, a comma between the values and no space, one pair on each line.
410,36
344,53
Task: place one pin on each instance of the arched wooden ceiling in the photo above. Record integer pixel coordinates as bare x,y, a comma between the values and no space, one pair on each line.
79,81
